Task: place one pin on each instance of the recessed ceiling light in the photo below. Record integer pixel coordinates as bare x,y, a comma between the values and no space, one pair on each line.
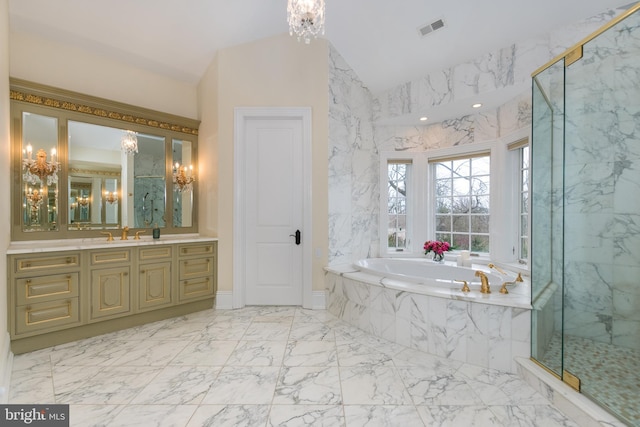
477,105
423,118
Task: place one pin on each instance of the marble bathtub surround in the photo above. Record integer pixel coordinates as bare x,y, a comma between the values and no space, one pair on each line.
319,371
488,331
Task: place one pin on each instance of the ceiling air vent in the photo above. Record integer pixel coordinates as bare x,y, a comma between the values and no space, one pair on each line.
429,28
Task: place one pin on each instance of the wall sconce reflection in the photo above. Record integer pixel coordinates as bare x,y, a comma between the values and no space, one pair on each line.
183,178
111,197
37,170
83,201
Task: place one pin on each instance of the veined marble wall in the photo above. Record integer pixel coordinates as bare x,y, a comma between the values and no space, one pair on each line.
353,166
602,189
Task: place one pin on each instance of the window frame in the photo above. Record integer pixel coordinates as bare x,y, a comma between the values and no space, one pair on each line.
504,196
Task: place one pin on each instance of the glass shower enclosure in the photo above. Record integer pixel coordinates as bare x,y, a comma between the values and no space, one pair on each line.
585,214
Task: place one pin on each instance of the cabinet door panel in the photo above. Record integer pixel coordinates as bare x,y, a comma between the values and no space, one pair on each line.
110,292
154,285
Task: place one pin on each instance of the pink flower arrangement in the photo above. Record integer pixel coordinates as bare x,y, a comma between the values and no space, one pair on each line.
436,246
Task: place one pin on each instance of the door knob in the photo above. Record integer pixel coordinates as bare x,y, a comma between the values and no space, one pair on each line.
297,236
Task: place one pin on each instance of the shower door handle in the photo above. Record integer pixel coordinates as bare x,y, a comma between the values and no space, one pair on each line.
297,236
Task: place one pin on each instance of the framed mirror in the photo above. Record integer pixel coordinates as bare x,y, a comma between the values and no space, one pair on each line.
39,172
125,189
182,170
115,162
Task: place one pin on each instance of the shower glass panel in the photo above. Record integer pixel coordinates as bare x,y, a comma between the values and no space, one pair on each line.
547,216
586,218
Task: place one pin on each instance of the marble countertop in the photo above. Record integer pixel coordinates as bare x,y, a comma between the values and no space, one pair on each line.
35,246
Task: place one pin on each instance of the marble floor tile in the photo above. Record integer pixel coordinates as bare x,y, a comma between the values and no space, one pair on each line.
257,353
205,353
382,416
377,385
178,385
229,416
310,353
311,331
243,385
356,354
306,415
93,415
426,388
264,367
456,416
153,415
308,386
112,385
267,331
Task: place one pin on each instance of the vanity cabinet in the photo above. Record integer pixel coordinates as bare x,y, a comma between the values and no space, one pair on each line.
59,296
154,277
196,264
46,292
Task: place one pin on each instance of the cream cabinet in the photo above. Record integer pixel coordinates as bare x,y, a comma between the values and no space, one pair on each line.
154,278
45,293
196,264
58,296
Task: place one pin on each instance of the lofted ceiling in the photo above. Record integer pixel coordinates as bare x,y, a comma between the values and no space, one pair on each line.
378,38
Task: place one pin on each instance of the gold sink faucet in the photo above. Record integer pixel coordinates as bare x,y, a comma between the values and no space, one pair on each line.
125,232
138,233
484,282
109,235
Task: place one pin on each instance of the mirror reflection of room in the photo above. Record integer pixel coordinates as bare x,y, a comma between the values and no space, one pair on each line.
39,172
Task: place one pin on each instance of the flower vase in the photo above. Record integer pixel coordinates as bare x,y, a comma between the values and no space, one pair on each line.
438,257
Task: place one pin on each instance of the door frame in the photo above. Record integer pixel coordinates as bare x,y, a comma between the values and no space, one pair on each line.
241,116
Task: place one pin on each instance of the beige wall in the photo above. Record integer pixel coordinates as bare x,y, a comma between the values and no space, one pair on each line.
278,72
5,180
42,61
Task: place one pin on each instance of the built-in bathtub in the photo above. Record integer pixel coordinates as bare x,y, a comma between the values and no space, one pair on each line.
419,304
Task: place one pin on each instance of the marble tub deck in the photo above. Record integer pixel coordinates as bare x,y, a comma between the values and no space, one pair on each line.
269,366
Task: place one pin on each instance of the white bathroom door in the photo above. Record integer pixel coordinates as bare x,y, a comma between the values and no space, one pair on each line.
274,194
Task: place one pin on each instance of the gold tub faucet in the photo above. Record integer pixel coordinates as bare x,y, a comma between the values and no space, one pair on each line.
518,279
484,282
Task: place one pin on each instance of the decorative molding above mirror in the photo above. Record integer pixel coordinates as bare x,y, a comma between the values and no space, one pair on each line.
82,164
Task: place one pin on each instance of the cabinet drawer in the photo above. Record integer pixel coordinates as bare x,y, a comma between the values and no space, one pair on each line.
47,262
46,315
195,288
46,288
199,267
196,250
110,257
147,254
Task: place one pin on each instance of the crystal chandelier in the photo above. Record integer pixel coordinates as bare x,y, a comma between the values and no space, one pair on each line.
306,18
183,178
37,170
129,143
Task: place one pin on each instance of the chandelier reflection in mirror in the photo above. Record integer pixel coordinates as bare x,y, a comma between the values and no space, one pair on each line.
305,18
129,143
183,178
36,170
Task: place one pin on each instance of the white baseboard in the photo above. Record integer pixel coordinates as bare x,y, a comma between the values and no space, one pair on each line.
224,300
319,300
6,366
